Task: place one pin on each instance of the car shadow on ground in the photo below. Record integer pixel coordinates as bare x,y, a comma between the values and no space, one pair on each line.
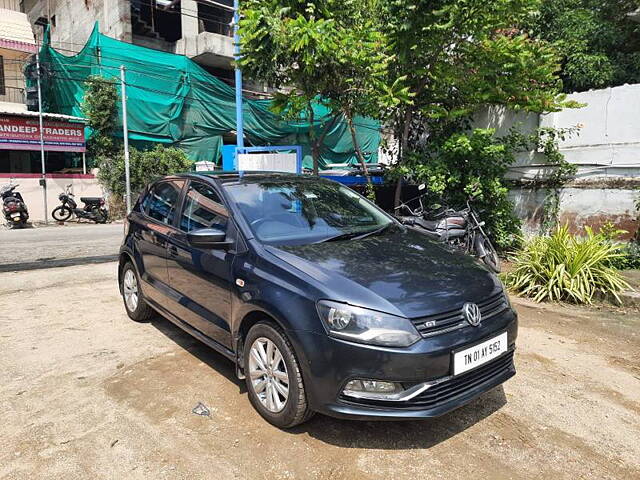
406,434
202,352
384,435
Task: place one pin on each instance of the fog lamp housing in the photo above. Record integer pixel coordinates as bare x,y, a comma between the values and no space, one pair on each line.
372,389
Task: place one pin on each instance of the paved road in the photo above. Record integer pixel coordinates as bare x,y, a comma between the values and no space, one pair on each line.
86,393
56,246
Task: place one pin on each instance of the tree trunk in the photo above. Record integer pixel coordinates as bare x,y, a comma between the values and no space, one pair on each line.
315,148
359,154
404,145
316,142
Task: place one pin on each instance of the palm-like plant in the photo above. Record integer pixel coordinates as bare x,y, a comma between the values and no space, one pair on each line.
563,267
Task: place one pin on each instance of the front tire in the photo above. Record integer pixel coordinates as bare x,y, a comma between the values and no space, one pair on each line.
61,213
490,258
274,381
134,302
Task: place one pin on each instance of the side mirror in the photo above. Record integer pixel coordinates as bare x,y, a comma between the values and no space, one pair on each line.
209,238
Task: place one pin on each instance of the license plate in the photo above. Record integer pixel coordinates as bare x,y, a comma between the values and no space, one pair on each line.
479,354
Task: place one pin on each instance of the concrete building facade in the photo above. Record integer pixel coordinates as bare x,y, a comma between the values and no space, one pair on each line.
605,148
202,30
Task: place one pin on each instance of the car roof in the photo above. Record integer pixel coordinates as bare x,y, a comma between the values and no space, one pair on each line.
227,177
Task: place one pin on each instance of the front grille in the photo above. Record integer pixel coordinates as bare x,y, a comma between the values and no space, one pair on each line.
450,387
454,319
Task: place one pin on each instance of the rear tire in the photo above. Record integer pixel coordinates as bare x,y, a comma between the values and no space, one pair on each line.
134,302
102,215
61,213
278,363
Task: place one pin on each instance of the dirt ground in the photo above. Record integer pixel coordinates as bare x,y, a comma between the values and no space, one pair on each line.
86,393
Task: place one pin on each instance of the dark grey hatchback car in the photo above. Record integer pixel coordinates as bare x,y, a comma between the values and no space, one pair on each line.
324,302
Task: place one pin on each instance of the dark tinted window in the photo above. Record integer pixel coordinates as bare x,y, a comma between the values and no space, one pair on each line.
202,209
160,203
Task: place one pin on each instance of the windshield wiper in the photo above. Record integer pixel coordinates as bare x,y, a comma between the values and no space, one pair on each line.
373,232
355,235
341,236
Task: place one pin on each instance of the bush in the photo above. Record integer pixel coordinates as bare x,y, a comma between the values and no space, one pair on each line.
562,267
629,258
629,252
469,165
145,166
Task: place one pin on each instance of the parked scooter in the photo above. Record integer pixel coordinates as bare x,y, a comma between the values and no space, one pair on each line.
461,229
13,206
93,210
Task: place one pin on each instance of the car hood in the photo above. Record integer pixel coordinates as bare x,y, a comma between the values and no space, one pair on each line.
401,271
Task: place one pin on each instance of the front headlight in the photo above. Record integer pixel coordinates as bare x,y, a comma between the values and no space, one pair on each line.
366,326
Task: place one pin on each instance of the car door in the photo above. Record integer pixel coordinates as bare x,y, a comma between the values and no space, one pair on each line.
158,211
200,278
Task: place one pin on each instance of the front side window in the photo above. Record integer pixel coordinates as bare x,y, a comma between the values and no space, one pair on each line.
161,201
202,209
295,212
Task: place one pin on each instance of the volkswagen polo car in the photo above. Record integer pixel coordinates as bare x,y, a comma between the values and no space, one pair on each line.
324,302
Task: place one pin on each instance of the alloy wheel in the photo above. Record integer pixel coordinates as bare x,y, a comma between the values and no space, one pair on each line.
268,374
130,290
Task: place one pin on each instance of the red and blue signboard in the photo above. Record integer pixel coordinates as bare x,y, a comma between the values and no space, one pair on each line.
23,133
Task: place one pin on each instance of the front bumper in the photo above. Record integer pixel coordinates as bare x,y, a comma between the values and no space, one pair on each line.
328,364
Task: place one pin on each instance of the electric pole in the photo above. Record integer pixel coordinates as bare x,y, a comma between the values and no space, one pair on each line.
125,136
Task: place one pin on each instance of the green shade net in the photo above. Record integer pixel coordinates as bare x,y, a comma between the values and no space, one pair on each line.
172,100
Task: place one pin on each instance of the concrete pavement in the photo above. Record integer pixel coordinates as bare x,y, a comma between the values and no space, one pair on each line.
55,246
86,393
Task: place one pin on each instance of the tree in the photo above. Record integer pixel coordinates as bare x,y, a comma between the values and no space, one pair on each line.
357,84
459,55
99,107
329,51
145,166
598,42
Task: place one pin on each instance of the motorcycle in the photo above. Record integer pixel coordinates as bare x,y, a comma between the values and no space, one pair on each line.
93,210
461,229
13,206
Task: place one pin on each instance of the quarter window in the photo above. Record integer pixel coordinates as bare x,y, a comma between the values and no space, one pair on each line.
202,209
160,203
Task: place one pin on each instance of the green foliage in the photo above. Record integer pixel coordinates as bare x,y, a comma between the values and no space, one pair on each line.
563,267
332,50
545,140
145,166
629,258
629,252
599,44
473,166
460,54
100,109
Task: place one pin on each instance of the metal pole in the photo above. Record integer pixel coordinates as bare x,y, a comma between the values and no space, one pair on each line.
42,157
238,76
125,136
84,162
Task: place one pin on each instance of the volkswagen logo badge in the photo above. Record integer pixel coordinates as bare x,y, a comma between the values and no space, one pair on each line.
472,314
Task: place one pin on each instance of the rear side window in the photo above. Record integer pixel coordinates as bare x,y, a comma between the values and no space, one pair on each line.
202,209
161,201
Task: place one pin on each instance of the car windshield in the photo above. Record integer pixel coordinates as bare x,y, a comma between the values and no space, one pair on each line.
305,210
